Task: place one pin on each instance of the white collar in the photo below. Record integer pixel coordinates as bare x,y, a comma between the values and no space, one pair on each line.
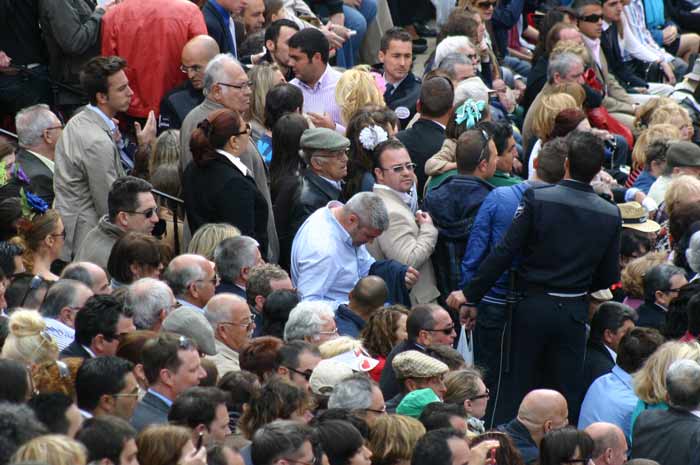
235,160
92,354
612,353
335,183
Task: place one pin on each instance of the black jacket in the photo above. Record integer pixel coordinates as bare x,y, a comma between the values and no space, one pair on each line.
220,193
388,383
423,140
403,99
623,72
522,440
40,176
218,30
284,192
651,315
313,193
671,437
176,104
598,362
568,239
75,350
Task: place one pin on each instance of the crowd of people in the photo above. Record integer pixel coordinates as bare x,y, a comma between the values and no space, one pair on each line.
254,232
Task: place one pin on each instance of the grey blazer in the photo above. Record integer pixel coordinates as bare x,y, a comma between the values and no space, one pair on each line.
150,411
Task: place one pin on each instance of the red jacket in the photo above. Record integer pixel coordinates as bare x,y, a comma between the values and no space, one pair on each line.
149,35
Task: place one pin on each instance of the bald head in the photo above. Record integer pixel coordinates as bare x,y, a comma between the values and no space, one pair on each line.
234,313
369,294
610,445
192,278
195,55
89,274
543,410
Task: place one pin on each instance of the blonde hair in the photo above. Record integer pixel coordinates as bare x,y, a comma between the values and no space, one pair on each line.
680,190
209,236
671,113
355,89
166,151
263,78
32,233
52,449
647,109
28,341
634,272
161,444
650,381
393,437
462,385
657,132
572,89
338,346
573,47
550,107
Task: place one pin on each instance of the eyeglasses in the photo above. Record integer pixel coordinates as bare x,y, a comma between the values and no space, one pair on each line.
484,155
328,333
148,213
61,234
314,461
380,412
242,325
485,395
247,84
486,5
194,68
134,393
446,331
215,280
590,18
53,127
247,130
400,168
33,285
306,374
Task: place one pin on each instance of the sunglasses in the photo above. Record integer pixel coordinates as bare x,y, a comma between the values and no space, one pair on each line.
33,285
590,18
446,331
245,131
148,213
306,374
486,5
485,395
398,169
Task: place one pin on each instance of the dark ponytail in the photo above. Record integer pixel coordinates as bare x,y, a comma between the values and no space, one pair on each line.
212,134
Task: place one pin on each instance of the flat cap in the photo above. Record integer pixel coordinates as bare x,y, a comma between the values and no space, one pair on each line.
682,154
323,139
414,364
188,322
327,374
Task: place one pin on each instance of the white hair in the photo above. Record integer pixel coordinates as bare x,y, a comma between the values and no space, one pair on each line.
370,208
692,253
215,72
353,393
218,309
146,298
306,319
31,122
561,64
450,45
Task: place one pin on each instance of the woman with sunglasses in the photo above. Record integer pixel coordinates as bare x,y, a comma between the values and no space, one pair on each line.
217,186
466,388
42,237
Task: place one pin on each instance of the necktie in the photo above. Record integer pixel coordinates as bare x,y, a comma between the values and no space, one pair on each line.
389,90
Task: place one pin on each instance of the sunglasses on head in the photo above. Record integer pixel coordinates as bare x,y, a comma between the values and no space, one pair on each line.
591,18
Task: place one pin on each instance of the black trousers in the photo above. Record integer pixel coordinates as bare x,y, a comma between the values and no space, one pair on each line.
548,347
488,340
24,89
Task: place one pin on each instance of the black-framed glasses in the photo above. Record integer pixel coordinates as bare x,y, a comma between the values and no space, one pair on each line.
246,131
54,127
411,167
247,84
485,395
591,18
314,461
61,234
33,285
486,5
446,331
194,68
148,213
378,412
306,374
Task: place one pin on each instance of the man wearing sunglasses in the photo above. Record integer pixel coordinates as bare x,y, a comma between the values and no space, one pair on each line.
661,286
131,208
411,236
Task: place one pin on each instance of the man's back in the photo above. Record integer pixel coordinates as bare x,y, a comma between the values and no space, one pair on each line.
150,36
671,437
149,411
422,140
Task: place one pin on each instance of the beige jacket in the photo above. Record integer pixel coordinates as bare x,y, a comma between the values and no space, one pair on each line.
226,359
408,243
87,162
447,154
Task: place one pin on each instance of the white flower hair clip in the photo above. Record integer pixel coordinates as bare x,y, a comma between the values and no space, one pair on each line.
371,136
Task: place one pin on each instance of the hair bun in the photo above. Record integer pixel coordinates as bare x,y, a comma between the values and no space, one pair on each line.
205,125
25,323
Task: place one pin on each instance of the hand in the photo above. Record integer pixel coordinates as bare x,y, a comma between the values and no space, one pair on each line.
667,68
338,18
334,39
411,278
456,299
197,457
517,166
341,30
639,197
322,121
467,316
480,452
4,60
353,3
423,218
147,135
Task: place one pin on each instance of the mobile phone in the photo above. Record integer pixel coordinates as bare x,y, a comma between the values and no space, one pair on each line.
200,440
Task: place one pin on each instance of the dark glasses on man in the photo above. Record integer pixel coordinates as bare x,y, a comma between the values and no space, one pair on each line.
148,213
590,18
446,331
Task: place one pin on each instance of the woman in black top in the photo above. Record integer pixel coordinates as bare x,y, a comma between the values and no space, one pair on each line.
218,188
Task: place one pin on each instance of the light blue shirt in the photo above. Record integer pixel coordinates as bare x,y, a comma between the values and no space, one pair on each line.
610,398
183,303
325,264
61,333
167,401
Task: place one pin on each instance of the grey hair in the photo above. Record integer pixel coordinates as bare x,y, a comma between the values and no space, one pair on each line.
64,293
179,279
692,253
146,298
31,122
354,393
561,64
683,384
449,46
215,72
78,272
218,309
659,279
18,425
449,62
370,208
305,319
234,254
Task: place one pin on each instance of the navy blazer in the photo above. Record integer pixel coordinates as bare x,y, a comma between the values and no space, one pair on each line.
218,30
75,350
150,411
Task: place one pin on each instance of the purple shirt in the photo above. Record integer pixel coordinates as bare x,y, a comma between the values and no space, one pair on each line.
321,97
